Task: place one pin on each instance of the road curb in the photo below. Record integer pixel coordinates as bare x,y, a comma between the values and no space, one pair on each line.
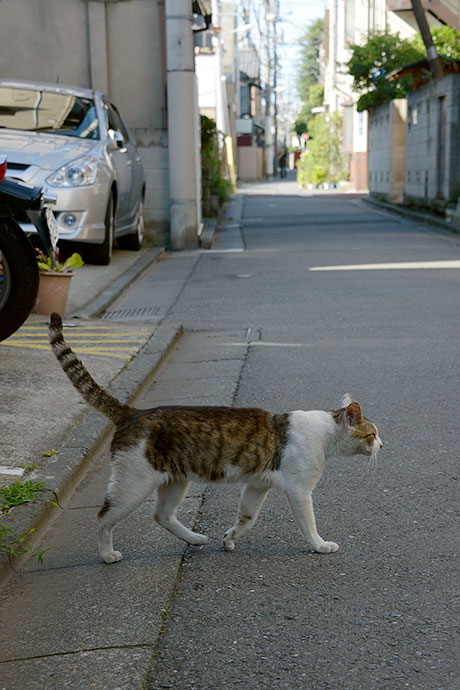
228,219
81,445
109,294
421,216
208,234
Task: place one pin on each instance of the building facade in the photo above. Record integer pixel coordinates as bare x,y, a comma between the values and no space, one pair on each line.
120,47
352,21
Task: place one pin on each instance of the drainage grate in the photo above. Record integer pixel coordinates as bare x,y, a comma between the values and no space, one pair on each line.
133,313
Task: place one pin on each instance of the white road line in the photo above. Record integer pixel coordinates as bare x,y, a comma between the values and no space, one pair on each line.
393,266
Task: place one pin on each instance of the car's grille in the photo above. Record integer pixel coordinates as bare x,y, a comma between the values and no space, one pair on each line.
16,166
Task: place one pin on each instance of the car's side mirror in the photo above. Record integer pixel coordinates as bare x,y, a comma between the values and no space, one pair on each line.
116,139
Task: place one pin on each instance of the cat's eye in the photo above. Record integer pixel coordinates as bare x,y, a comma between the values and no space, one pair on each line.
371,437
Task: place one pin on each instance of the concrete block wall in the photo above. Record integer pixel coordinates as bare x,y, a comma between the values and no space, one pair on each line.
379,151
386,153
433,144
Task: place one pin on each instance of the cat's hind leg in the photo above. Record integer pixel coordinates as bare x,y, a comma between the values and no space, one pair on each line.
132,481
302,508
251,502
170,496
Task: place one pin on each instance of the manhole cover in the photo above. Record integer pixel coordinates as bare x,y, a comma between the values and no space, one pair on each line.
132,313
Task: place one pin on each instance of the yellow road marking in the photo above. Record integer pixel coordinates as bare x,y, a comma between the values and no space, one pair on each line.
88,338
120,353
74,333
110,339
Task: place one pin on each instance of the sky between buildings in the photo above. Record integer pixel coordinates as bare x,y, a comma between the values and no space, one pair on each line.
295,16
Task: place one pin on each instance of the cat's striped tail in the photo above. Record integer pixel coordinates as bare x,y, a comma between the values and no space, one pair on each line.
80,377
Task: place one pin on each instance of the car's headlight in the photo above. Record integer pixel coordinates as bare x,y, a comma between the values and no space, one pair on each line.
79,173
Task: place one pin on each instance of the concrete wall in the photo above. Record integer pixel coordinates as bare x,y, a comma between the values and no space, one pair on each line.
433,144
115,47
250,162
386,158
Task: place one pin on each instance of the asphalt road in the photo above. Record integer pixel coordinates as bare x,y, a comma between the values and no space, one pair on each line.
383,612
264,328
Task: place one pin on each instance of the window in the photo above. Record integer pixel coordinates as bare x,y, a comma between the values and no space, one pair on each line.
349,20
348,127
115,121
48,111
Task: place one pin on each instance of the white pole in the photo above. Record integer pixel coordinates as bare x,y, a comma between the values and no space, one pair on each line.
182,118
220,77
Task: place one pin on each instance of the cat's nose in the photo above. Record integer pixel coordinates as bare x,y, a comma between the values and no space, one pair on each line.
381,444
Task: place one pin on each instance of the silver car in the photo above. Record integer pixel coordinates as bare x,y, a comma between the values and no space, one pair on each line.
75,143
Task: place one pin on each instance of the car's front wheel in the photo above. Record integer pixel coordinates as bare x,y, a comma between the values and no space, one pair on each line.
101,254
19,277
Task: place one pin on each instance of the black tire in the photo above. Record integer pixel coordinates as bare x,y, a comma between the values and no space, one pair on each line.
134,241
19,276
101,254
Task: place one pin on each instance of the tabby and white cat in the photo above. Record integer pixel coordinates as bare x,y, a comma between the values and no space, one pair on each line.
164,448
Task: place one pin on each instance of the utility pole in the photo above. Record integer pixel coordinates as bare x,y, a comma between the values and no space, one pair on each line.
275,87
183,152
432,55
267,90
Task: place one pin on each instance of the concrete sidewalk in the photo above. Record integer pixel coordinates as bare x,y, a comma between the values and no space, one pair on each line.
123,355
49,651
29,381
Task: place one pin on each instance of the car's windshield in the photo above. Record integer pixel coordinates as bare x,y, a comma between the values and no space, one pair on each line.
46,111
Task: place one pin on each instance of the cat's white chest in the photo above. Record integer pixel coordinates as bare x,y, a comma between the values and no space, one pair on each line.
304,456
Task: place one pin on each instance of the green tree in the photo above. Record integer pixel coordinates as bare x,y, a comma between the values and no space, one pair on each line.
384,52
323,160
308,67
304,116
308,74
445,38
371,63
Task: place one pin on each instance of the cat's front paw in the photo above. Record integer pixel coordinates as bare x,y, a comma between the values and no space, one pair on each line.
326,547
228,542
112,557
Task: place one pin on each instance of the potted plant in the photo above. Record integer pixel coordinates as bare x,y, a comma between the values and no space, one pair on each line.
54,284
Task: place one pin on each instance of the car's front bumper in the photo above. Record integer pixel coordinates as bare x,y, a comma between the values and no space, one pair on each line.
79,211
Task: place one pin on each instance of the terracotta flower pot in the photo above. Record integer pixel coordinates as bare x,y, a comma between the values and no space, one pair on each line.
53,290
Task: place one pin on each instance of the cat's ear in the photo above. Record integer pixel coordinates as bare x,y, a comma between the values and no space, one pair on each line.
346,400
353,413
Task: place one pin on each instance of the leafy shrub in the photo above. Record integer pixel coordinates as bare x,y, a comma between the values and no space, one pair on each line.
212,179
323,160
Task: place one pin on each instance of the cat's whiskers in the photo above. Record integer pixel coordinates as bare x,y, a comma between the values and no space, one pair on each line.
371,464
373,460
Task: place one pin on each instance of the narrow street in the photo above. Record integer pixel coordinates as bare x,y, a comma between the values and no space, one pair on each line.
382,612
321,296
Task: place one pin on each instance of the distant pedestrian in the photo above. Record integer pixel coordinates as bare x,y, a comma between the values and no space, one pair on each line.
282,162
